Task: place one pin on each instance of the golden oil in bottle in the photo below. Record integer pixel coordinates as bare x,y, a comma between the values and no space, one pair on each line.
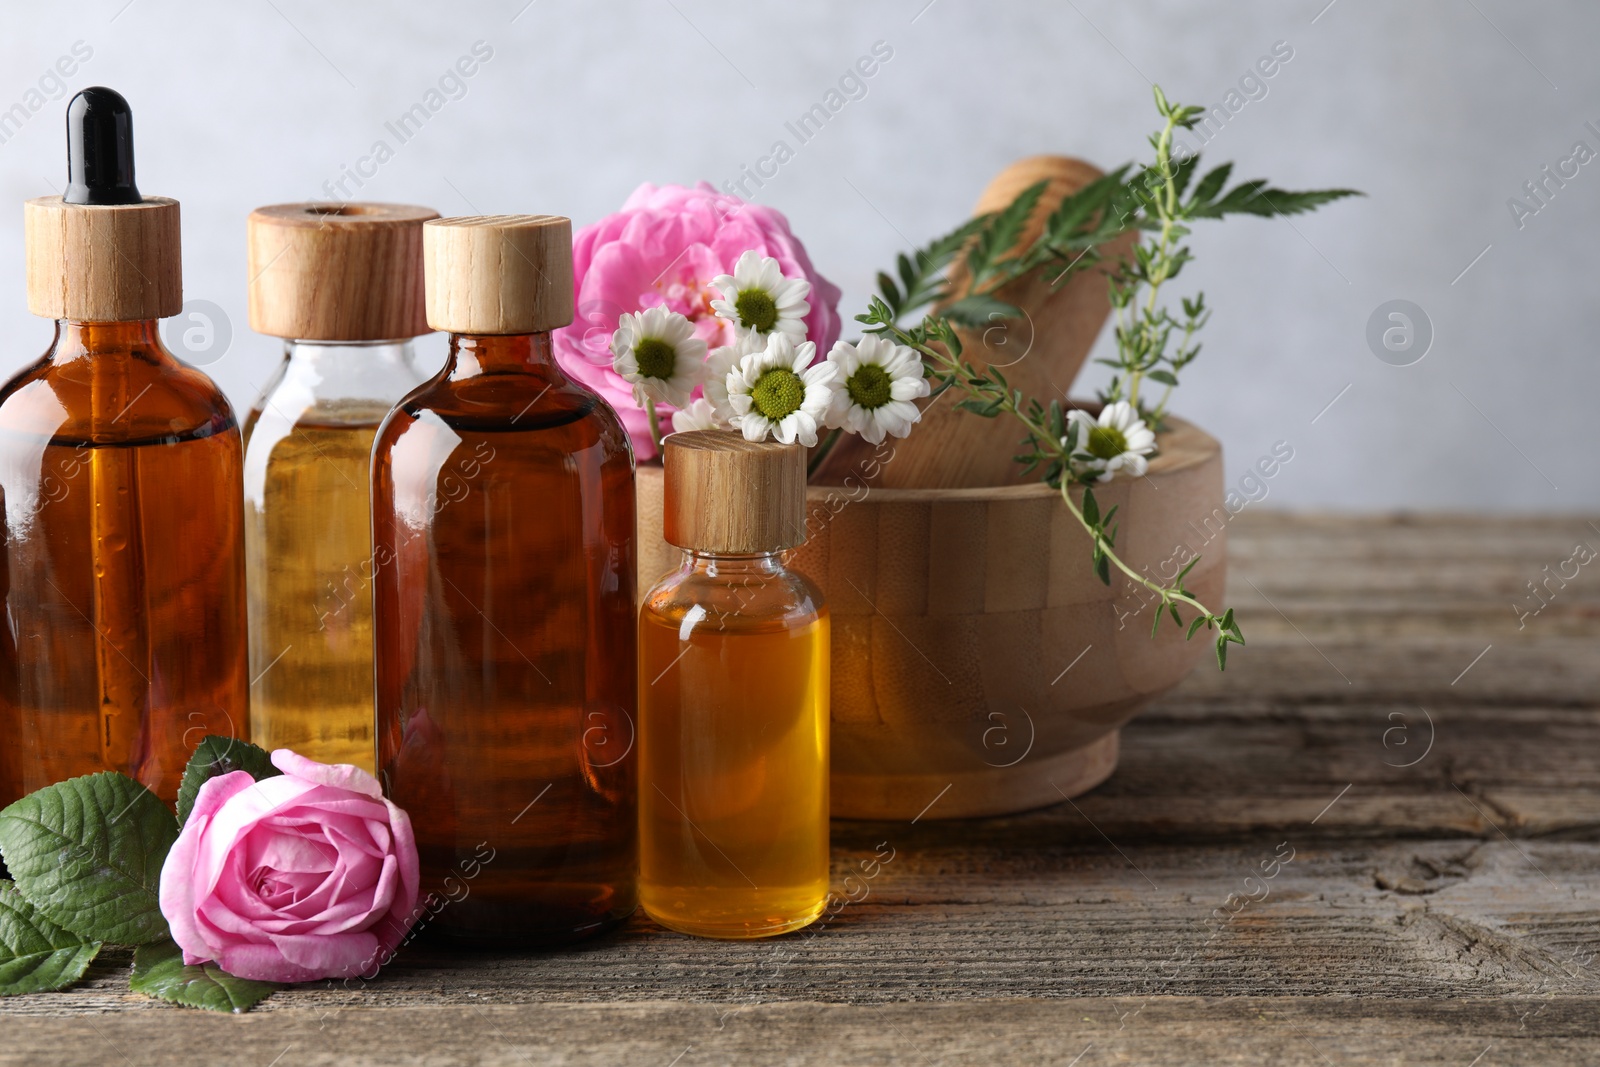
350,274
733,700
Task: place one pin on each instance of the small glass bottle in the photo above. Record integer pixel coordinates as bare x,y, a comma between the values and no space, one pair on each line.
349,275
122,549
503,603
733,700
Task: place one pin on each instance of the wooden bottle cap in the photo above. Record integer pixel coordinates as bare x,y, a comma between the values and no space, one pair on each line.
728,495
498,274
103,263
337,272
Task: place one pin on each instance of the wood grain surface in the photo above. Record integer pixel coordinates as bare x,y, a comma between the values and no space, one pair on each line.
337,272
103,263
1425,756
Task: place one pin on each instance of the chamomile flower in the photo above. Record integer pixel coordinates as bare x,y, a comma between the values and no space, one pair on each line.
719,363
1117,440
699,415
656,350
778,391
874,388
757,298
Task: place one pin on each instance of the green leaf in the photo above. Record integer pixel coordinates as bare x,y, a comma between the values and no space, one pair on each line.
1067,231
1193,626
158,971
87,853
1091,508
216,755
907,274
1102,567
1211,184
36,955
925,283
1163,376
981,310
1255,197
1002,233
978,406
887,288
1182,173
1222,654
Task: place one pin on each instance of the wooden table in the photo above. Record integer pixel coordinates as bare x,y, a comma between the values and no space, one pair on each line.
1431,761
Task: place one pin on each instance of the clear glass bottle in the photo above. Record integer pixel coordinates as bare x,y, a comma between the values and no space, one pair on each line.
121,551
308,542
733,700
350,274
503,531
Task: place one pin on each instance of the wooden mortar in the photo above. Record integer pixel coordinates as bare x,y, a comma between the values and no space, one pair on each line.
973,645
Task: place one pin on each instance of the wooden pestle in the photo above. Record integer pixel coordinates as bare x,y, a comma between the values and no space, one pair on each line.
1040,353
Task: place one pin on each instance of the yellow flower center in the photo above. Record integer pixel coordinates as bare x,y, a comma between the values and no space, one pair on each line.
757,310
656,358
778,393
1106,442
869,386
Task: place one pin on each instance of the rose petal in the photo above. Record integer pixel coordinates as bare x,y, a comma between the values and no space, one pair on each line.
177,886
337,775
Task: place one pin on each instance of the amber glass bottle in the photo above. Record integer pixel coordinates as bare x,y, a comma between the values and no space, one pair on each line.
121,554
733,700
503,602
349,275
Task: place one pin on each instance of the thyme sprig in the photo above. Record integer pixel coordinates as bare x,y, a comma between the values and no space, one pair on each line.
1153,344
1054,442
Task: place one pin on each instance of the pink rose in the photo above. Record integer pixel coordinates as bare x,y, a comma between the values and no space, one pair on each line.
309,875
663,249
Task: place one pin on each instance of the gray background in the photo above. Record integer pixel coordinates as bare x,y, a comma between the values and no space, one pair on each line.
1440,111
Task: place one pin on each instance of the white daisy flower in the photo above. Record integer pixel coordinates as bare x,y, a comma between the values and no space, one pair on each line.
656,350
757,298
1118,440
699,415
719,363
779,391
874,388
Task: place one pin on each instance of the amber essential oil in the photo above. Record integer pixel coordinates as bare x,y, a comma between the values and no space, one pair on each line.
733,700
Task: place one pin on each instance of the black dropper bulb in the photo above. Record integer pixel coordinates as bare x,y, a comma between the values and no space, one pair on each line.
100,149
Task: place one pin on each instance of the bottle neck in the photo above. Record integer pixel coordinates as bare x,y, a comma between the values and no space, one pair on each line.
78,340
375,354
473,356
352,368
714,565
361,379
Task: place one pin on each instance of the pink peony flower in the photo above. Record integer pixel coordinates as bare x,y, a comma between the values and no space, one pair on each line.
662,250
309,875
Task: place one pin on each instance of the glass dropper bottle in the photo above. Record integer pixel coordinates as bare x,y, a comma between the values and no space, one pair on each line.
122,561
342,285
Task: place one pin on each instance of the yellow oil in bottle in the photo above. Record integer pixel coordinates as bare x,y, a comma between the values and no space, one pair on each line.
309,547
342,286
733,758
